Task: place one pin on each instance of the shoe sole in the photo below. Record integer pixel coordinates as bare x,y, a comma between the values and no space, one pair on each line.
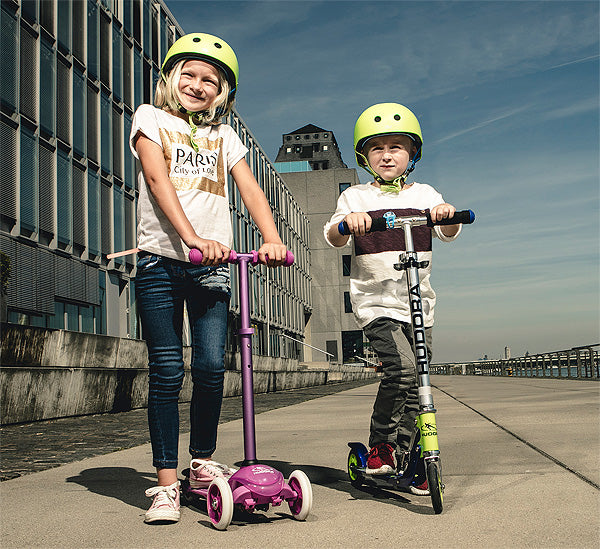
171,516
418,492
383,470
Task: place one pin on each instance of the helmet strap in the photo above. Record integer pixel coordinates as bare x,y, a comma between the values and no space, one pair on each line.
199,116
395,185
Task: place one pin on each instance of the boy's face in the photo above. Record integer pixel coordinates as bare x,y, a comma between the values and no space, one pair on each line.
389,155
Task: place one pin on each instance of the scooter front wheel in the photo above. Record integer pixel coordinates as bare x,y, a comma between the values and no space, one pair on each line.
219,503
434,481
302,505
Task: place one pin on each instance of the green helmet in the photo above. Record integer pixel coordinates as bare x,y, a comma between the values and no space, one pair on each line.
204,47
385,119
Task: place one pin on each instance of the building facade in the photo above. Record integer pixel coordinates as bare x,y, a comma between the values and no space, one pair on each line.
73,73
313,145
316,183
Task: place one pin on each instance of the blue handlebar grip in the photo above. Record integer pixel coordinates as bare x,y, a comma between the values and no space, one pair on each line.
343,228
465,217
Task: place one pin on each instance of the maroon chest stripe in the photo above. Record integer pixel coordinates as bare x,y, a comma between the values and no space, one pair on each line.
392,240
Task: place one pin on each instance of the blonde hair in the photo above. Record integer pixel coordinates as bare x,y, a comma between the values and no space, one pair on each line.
167,95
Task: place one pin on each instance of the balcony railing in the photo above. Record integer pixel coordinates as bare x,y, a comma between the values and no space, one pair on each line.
576,363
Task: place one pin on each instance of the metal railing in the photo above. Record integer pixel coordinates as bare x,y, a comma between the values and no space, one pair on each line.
576,363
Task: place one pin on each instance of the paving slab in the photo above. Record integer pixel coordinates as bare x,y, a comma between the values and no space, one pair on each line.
505,487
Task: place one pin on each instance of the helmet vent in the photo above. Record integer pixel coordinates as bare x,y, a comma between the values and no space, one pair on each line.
396,117
217,45
377,119
196,39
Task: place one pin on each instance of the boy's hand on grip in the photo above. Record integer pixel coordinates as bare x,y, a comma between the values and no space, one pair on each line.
441,211
359,223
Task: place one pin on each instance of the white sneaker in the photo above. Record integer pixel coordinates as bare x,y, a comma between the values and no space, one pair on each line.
204,471
165,505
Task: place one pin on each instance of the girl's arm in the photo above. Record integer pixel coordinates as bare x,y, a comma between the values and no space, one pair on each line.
258,206
163,192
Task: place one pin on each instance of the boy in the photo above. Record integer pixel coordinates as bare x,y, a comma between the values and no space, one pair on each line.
387,143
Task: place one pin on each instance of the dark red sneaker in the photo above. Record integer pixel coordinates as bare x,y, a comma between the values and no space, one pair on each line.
420,490
380,460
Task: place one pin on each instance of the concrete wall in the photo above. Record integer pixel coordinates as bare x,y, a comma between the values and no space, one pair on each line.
56,373
317,193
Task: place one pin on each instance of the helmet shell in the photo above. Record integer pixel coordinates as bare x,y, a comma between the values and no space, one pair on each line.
386,119
204,47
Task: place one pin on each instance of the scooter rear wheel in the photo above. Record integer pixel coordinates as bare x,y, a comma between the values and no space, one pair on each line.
354,461
434,481
219,503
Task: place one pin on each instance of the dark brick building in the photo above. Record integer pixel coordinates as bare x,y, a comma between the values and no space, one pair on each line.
312,144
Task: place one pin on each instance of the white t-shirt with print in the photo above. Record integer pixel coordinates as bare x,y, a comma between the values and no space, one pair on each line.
199,178
376,288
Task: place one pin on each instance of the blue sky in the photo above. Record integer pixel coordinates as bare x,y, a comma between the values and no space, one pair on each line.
508,98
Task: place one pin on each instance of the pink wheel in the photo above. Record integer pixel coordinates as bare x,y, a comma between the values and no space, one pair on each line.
219,503
302,505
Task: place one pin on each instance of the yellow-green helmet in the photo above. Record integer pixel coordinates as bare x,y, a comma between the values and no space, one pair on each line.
204,47
385,119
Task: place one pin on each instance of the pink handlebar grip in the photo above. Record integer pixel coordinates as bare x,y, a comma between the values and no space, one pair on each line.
195,257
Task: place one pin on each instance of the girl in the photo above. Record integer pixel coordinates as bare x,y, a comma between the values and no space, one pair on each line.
185,154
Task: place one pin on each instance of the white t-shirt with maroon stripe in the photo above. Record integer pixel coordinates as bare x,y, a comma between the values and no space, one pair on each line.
376,288
199,178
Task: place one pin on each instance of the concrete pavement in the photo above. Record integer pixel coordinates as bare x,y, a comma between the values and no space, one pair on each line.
521,468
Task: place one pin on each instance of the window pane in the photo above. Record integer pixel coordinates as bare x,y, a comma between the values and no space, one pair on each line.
28,73
79,111
117,143
78,38
29,188
105,133
8,60
63,102
64,199
92,43
47,177
92,123
117,85
47,83
79,185
119,222
93,213
105,40
64,25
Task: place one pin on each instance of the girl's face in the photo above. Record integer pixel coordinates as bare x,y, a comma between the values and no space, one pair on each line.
389,155
198,85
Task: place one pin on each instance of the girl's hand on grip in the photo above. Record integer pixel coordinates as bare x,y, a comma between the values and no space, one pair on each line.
272,254
213,252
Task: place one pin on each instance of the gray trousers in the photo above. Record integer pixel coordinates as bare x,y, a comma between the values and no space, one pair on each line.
397,401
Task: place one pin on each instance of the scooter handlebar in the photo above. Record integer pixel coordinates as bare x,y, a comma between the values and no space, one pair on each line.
195,257
380,224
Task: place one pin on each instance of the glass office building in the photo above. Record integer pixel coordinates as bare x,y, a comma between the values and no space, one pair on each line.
72,74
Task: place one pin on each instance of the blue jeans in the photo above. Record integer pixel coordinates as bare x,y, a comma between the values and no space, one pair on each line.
162,287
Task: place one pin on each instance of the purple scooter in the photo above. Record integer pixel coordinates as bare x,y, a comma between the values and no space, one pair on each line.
254,486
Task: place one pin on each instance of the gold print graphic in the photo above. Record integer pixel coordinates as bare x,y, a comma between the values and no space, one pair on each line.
209,160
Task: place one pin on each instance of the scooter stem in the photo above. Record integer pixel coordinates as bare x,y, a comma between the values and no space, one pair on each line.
245,334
